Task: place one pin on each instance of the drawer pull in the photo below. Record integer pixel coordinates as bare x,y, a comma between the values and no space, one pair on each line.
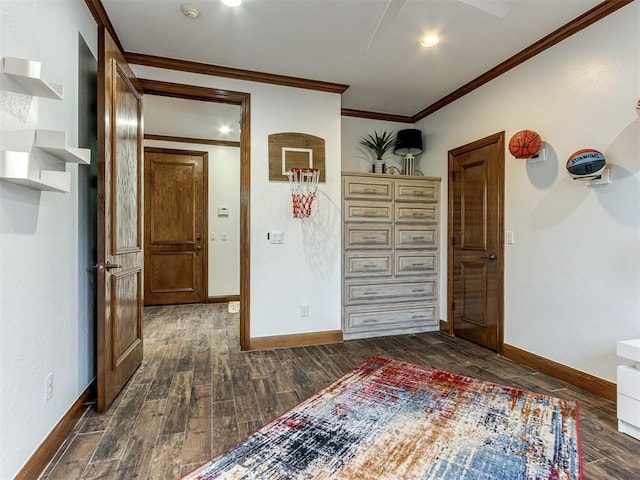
370,237
369,265
370,214
418,317
370,190
419,193
370,320
418,239
417,290
418,265
368,293
419,215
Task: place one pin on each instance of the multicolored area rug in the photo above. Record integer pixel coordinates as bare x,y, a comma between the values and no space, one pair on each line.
393,420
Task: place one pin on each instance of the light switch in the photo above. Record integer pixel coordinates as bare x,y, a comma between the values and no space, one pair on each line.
212,236
509,237
223,211
277,237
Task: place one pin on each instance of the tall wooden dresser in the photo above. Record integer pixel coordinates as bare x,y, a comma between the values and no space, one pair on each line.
390,247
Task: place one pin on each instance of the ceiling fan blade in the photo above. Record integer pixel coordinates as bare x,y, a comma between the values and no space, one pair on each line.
387,18
498,8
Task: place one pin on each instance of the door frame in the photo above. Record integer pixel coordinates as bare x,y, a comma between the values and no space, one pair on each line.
243,100
495,138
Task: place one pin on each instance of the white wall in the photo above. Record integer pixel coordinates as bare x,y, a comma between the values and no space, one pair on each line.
306,268
41,328
356,157
224,191
572,278
224,249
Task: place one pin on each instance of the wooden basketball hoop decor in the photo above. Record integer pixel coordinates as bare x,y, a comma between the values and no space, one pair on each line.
295,150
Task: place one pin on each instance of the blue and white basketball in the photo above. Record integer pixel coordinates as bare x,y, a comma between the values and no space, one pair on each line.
586,163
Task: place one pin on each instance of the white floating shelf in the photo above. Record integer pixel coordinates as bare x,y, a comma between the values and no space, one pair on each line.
14,168
55,143
27,74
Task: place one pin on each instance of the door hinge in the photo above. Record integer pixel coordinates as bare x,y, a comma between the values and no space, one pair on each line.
453,306
453,175
453,241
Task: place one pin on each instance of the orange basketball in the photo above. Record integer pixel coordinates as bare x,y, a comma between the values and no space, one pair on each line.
525,144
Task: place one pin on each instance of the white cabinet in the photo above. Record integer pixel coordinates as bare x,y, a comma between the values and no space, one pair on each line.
629,388
390,254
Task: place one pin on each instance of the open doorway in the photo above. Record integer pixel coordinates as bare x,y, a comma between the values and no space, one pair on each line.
240,103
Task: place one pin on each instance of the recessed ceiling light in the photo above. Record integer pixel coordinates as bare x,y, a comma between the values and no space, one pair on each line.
429,41
224,129
232,3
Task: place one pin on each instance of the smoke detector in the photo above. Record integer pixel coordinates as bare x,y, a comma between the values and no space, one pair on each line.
189,11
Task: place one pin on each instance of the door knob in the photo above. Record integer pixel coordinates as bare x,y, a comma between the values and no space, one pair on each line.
108,266
491,258
198,248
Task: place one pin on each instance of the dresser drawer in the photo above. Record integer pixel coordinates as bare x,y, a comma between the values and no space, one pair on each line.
376,291
416,263
355,211
368,264
628,381
415,213
367,188
416,237
370,319
358,236
417,191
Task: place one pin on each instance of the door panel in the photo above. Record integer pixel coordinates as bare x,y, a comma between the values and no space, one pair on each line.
175,243
475,277
120,258
473,200
474,294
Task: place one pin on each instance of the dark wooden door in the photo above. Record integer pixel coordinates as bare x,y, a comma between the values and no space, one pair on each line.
120,258
175,226
475,276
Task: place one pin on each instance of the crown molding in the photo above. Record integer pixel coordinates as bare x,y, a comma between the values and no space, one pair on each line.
102,19
229,72
350,112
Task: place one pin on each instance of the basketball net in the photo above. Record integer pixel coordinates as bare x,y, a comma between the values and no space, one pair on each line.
303,183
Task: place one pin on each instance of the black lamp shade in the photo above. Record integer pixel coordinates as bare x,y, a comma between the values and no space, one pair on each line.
409,141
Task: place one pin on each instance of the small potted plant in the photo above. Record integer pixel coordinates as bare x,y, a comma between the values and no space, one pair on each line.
379,143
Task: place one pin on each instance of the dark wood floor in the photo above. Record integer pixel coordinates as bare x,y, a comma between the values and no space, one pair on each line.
196,394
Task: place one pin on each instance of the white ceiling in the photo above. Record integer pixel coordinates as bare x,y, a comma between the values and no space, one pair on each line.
371,45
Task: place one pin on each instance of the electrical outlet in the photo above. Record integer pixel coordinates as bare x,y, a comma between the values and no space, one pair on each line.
304,310
277,237
48,387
